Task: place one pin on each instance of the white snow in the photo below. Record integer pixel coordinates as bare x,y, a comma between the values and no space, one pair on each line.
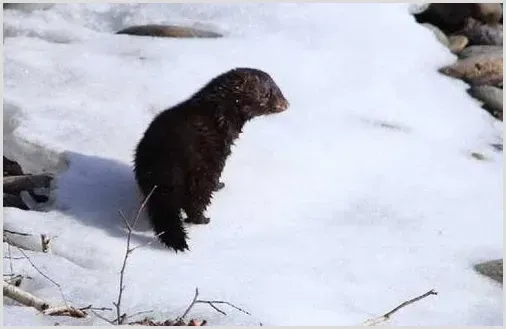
327,217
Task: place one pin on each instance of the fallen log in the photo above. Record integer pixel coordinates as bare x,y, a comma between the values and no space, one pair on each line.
24,298
18,183
11,200
11,168
168,31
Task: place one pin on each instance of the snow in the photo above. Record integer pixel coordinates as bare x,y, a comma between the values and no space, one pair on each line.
327,217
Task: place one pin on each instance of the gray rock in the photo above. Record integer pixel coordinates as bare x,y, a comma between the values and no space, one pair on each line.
476,50
492,269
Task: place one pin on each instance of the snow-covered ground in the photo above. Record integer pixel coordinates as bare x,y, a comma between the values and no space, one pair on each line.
329,217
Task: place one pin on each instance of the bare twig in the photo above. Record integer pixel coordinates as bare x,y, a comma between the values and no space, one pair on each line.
213,306
117,304
386,316
16,233
120,318
98,315
143,205
90,307
210,303
10,258
147,243
138,313
44,275
180,318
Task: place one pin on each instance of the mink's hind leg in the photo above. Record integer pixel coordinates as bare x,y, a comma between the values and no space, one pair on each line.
196,201
194,209
195,214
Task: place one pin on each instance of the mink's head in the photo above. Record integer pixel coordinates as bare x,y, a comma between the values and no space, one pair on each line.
247,92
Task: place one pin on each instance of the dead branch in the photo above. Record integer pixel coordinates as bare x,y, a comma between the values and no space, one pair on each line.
208,302
16,233
180,318
11,167
388,315
11,266
65,311
24,297
149,242
16,184
90,307
150,322
45,241
27,299
14,201
212,302
135,314
98,315
121,318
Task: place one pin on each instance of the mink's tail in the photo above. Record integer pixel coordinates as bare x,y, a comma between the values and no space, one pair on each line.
164,212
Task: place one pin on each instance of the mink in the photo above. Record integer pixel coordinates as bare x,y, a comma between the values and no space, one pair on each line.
184,149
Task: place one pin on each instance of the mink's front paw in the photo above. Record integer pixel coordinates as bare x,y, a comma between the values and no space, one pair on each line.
219,186
198,220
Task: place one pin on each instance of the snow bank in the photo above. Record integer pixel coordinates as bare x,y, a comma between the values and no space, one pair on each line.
328,217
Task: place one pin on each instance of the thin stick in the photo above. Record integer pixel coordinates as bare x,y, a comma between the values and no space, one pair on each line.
41,273
147,243
190,306
120,319
90,307
138,313
213,306
117,304
386,316
212,302
10,258
142,206
103,317
16,233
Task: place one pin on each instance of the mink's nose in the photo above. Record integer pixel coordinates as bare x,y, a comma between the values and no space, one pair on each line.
282,105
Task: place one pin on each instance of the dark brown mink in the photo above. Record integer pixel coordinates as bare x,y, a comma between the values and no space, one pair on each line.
185,147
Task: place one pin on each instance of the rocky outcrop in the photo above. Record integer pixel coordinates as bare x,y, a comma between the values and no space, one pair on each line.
474,32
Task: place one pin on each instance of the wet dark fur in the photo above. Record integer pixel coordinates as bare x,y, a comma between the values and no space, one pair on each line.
184,149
